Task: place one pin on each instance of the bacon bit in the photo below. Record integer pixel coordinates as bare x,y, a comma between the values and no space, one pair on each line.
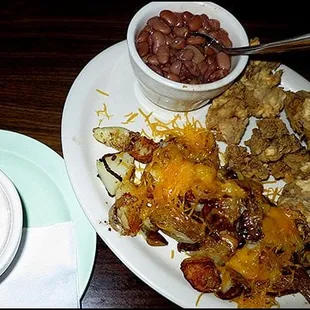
102,92
130,118
104,112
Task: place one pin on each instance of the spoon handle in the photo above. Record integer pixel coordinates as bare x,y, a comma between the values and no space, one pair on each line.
295,43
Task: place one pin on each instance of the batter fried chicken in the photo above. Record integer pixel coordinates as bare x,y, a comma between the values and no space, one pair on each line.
241,161
228,115
272,140
264,97
297,109
292,166
298,193
256,93
295,201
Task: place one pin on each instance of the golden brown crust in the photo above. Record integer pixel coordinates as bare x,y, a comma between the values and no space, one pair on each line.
228,116
241,161
297,109
271,140
292,166
201,273
256,93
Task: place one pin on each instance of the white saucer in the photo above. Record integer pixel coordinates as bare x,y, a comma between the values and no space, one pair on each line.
40,177
11,221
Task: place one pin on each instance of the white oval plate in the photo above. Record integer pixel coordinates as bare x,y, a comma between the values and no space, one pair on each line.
40,177
107,84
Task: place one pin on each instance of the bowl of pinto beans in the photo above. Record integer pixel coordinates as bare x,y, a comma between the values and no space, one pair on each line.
175,69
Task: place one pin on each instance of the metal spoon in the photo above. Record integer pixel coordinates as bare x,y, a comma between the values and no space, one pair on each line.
295,43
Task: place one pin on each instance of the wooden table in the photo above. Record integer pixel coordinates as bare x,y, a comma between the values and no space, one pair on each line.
43,47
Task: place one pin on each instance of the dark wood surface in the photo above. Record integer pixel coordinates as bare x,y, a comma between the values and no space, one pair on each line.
43,47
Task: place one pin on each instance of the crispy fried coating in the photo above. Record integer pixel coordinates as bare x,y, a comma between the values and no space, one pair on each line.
228,115
272,140
297,109
299,191
295,201
264,97
256,93
241,161
292,166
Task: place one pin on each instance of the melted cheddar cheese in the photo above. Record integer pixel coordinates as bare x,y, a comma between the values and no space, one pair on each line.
265,259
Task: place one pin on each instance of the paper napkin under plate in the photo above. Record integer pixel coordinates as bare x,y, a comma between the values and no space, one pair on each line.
43,274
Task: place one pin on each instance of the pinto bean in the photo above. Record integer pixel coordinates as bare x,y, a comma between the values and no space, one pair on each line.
195,40
203,67
205,21
186,54
223,38
209,51
195,23
180,31
157,39
185,74
175,67
214,34
152,59
148,29
168,39
156,69
166,46
198,56
169,17
165,69
214,24
178,43
217,75
142,48
194,81
180,22
187,16
223,61
172,77
192,68
163,54
143,36
159,25
210,70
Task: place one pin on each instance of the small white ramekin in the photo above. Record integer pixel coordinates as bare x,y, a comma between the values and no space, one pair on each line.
179,96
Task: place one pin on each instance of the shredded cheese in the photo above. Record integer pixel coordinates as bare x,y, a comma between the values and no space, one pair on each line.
104,112
102,92
130,118
198,299
273,193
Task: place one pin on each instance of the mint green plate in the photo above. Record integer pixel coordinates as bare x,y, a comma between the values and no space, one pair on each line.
40,176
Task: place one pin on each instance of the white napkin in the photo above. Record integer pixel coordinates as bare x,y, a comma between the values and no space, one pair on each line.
43,274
